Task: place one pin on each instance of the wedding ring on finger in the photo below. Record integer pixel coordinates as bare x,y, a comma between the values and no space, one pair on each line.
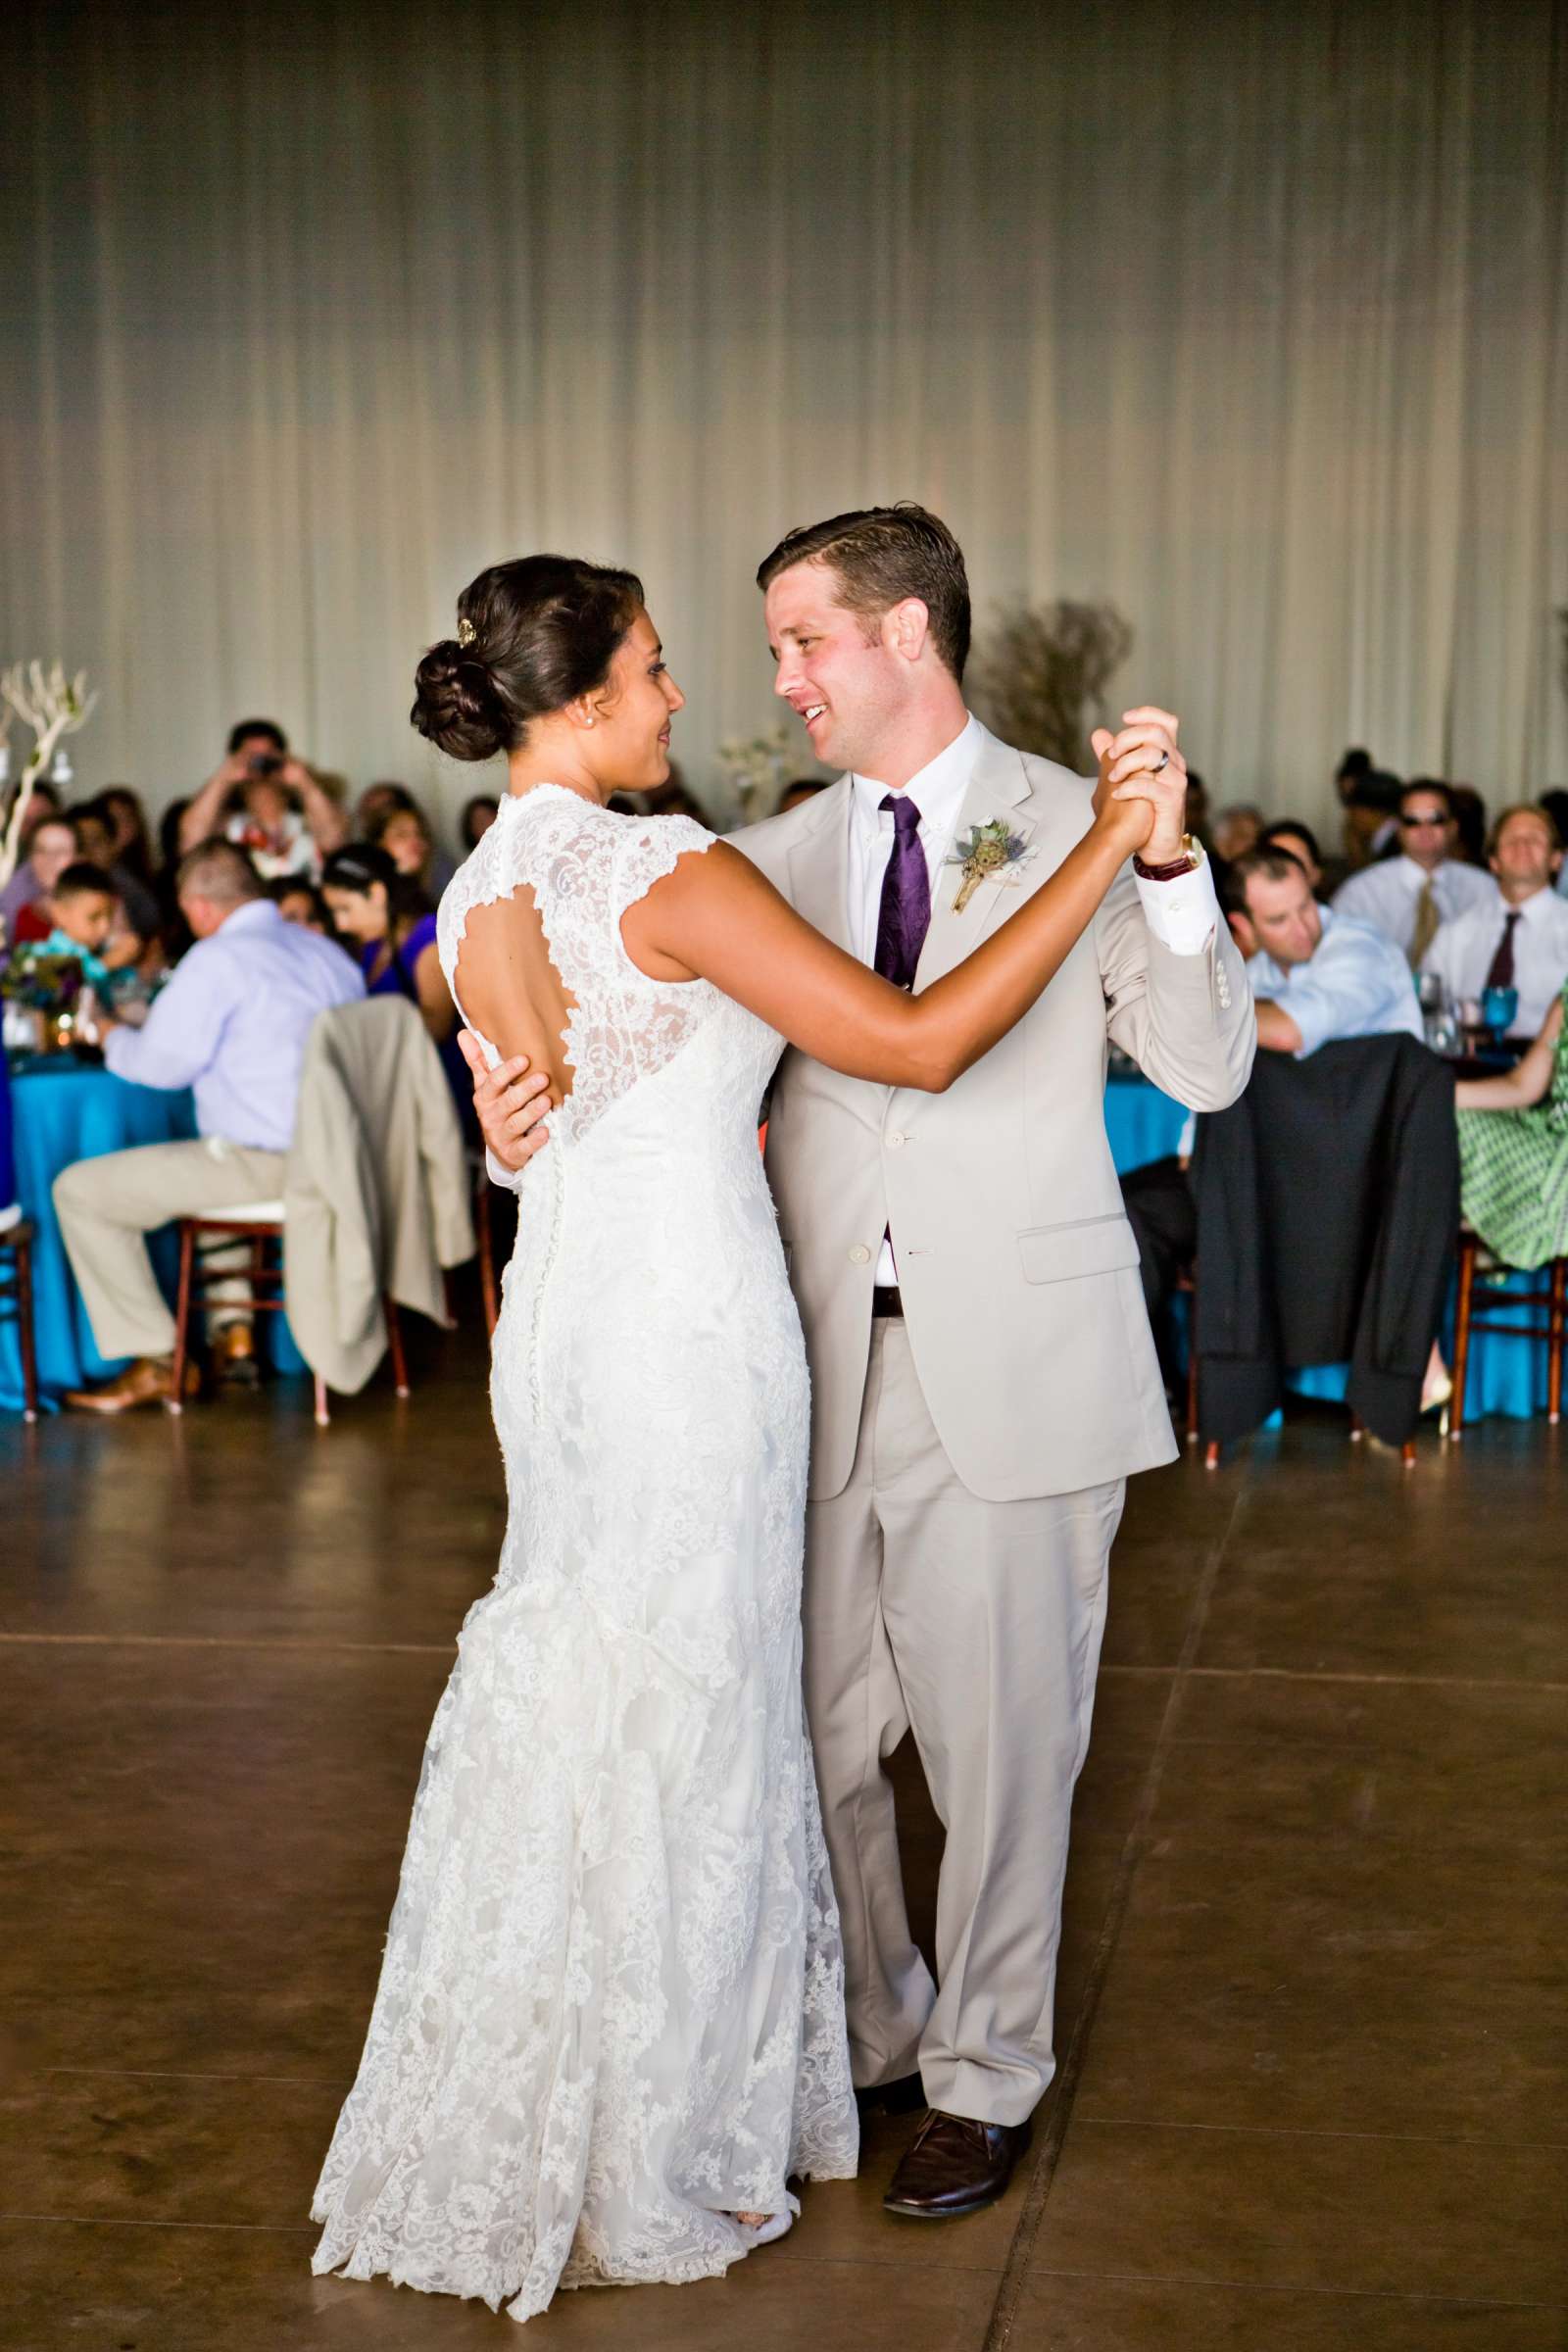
1164,762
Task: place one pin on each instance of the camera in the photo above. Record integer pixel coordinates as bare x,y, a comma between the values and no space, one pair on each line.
265,764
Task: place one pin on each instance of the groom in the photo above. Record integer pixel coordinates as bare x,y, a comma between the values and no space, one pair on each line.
982,1370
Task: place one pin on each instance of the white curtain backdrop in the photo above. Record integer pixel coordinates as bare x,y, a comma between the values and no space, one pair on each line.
1251,318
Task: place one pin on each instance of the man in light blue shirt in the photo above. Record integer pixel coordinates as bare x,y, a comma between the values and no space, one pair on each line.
232,1026
1316,974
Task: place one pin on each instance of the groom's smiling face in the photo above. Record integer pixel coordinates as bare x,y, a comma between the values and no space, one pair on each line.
841,672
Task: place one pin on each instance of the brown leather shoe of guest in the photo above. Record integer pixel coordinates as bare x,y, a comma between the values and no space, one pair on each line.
234,1356
145,1382
954,2165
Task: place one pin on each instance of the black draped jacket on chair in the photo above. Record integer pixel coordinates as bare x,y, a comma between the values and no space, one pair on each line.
1328,1203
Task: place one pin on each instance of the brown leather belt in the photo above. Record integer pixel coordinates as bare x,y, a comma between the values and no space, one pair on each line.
885,1301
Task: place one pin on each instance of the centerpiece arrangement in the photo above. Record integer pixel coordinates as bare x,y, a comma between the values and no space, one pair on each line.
40,991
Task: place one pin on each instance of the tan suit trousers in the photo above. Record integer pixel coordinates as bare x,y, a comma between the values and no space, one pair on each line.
107,1205
978,1625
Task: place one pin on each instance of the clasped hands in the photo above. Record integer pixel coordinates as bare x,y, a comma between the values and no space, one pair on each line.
1143,783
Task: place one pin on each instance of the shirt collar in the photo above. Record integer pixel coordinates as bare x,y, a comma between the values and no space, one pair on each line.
1420,871
1532,908
938,789
252,914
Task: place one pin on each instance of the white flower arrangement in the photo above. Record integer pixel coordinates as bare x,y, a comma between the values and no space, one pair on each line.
754,769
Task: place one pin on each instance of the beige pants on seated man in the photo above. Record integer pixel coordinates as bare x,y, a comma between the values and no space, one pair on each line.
106,1206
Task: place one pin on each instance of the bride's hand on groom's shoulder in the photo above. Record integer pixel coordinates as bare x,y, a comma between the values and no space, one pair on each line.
511,1101
1142,792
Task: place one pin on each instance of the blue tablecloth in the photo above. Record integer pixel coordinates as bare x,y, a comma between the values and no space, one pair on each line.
63,1111
1142,1123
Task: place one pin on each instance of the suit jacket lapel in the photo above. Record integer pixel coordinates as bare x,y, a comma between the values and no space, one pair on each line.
996,789
818,866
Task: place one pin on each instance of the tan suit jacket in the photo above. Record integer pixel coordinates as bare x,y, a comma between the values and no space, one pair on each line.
1017,1268
375,1187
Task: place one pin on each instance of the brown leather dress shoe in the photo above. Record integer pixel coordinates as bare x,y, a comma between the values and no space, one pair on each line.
954,2165
145,1382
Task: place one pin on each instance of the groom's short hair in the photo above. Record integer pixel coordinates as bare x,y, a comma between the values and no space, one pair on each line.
879,556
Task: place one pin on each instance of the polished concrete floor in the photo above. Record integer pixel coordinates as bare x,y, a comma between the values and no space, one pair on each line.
1311,2018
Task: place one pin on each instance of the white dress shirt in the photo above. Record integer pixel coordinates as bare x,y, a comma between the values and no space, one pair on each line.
1354,984
233,1020
1182,913
1384,894
1461,954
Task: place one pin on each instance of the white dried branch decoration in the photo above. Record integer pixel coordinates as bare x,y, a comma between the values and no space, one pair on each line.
51,705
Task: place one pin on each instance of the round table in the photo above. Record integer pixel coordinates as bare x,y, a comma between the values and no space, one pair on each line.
64,1111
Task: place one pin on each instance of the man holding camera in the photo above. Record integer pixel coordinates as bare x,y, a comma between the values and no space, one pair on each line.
286,823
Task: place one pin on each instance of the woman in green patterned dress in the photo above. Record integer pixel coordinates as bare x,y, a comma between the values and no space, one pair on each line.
1513,1151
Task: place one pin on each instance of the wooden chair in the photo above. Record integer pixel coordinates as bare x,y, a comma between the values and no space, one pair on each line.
1187,1284
1551,1298
260,1223
16,1300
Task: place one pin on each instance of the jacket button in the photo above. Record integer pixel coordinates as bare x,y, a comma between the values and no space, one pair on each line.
896,1143
859,1255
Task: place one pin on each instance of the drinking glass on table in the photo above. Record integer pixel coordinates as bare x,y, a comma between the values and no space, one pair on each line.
1499,1009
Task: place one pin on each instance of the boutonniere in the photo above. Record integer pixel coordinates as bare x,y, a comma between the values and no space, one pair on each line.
989,850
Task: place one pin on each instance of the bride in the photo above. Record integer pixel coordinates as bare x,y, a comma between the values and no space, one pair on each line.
609,2025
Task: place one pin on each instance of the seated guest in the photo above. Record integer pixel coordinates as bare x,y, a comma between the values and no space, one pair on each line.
1469,823
300,902
1513,1151
94,829
374,801
404,832
1407,897
1236,830
284,820
1521,942
82,912
50,848
1370,828
478,815
133,836
232,1024
43,800
1316,973
388,920
1289,834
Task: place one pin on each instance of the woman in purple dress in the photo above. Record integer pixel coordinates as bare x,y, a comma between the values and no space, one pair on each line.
388,920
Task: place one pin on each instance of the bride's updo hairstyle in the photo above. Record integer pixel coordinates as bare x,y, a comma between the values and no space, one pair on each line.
532,636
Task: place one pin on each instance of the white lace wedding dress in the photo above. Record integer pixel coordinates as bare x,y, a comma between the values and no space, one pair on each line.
611,2011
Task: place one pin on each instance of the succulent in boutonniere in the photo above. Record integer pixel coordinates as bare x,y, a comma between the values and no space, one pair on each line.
989,850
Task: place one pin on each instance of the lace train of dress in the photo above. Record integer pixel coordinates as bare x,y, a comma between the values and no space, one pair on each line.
610,2013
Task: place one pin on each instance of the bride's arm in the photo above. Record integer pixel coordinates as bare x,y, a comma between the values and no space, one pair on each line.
715,918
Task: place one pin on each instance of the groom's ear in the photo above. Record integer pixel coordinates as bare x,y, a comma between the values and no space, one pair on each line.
906,627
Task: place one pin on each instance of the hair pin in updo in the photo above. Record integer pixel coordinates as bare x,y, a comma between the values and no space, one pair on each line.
465,630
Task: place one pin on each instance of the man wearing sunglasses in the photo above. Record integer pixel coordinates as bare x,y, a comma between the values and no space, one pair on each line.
1407,897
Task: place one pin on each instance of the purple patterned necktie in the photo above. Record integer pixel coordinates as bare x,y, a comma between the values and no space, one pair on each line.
906,914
